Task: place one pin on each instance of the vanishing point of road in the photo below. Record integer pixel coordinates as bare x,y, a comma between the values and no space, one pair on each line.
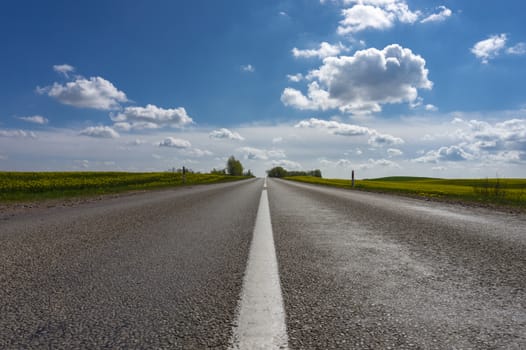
262,264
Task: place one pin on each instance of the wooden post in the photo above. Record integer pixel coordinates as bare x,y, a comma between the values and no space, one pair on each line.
352,181
184,174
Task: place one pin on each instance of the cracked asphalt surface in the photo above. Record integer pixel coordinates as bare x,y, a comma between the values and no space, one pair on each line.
164,270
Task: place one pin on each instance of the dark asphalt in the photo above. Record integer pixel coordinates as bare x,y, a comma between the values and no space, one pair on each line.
160,270
164,270
370,271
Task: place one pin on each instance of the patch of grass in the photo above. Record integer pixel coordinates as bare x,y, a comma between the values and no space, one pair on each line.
30,186
509,192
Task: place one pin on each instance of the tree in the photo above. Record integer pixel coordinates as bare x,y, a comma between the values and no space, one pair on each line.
277,172
234,167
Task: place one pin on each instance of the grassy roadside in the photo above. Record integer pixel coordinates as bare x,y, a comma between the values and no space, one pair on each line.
35,186
500,192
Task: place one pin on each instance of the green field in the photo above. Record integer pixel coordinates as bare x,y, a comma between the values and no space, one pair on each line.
494,191
22,186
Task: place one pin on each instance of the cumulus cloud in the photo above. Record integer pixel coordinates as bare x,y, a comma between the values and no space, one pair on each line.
336,128
287,164
489,48
448,154
253,153
100,131
518,49
431,108
380,140
95,92
480,135
438,17
175,143
248,68
325,50
151,117
482,141
373,163
17,133
225,134
36,119
64,69
394,152
375,14
197,152
496,45
295,78
361,83
344,163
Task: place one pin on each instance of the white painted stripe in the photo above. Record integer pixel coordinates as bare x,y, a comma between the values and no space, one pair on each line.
261,320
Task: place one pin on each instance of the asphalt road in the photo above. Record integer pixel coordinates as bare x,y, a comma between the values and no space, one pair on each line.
371,271
148,271
357,270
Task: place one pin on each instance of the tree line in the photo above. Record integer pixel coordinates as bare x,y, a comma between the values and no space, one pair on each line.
282,172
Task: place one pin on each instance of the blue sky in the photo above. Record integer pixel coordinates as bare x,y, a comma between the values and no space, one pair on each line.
431,88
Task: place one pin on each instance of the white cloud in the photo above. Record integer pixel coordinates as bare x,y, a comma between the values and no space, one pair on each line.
518,49
345,163
438,17
287,164
481,135
447,154
295,78
325,50
17,133
373,163
197,152
3,157
359,84
225,134
489,48
64,69
253,153
502,142
84,163
175,143
380,140
375,14
394,152
336,128
36,119
431,108
95,92
248,68
136,142
100,131
151,117
277,140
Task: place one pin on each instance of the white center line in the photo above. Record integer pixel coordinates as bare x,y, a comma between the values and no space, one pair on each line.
261,319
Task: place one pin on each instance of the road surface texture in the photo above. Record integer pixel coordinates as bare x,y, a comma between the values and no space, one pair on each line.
165,270
149,271
371,271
